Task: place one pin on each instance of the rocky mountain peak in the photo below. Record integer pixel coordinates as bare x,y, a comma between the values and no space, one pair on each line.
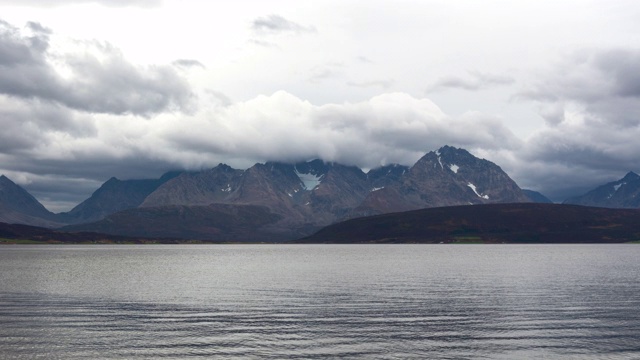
630,176
623,193
448,176
113,196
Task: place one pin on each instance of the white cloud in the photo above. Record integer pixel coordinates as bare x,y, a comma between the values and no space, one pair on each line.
273,24
95,77
85,109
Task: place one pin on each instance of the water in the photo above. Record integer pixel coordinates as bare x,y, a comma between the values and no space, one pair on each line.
320,301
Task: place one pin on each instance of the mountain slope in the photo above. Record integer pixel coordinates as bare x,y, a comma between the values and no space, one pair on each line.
196,188
494,223
113,196
309,195
20,207
446,177
536,197
623,193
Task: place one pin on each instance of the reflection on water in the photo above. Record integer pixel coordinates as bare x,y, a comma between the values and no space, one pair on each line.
306,301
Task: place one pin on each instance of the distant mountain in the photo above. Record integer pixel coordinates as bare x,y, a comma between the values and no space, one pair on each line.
279,200
17,206
386,175
195,188
623,193
113,196
301,198
489,223
446,177
305,195
536,197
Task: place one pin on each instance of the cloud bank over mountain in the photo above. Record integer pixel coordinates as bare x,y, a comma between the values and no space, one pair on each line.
261,83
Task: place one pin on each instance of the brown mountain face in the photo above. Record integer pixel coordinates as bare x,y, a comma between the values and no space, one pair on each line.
306,196
447,177
196,188
296,199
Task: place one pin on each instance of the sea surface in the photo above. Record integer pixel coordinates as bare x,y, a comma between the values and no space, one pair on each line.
320,301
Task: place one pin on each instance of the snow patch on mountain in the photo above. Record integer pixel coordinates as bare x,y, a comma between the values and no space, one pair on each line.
454,168
473,187
309,181
615,189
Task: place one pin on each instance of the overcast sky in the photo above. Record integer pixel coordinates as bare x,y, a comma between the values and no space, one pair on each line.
548,90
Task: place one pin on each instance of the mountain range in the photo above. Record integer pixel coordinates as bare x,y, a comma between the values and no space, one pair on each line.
278,201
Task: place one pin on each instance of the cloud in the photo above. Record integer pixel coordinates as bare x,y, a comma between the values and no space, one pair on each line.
274,24
107,3
605,84
389,128
188,63
96,78
476,81
38,28
385,84
263,43
25,124
590,102
364,60
326,71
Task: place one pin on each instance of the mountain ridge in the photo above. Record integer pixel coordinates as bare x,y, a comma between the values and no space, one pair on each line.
288,200
622,193
307,196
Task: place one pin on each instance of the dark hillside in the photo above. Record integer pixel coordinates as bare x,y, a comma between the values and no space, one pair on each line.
490,223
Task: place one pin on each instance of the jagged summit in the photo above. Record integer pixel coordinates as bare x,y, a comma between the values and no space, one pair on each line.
113,196
447,176
296,198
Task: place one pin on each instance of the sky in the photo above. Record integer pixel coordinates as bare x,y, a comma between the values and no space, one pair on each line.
548,90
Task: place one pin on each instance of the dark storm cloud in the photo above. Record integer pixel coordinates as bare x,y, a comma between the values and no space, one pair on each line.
623,68
278,24
590,103
97,80
476,81
25,124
